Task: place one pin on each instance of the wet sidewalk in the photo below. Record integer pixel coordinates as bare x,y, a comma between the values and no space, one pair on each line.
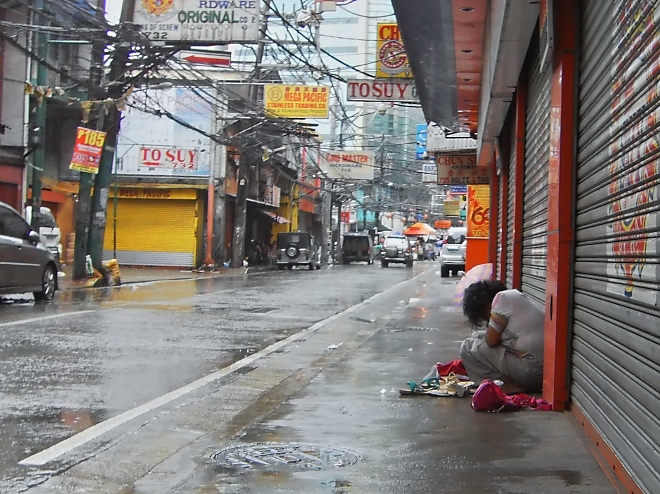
321,412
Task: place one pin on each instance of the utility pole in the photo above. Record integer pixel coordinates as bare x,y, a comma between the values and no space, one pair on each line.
242,180
103,179
39,127
82,224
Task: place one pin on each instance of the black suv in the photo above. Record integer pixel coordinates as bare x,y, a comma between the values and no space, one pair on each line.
397,248
357,246
297,248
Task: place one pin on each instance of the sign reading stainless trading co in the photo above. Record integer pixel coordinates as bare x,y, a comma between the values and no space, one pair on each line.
391,58
460,169
296,100
381,90
198,21
354,165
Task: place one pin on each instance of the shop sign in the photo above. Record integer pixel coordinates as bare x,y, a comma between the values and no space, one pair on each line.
450,207
173,158
442,224
198,22
381,90
154,193
391,58
460,169
429,173
87,150
273,195
478,211
353,165
422,137
296,101
345,216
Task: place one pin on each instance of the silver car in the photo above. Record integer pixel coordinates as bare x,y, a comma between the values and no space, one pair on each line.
26,265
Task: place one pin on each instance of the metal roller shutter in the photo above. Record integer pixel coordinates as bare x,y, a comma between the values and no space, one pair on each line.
500,226
153,232
511,184
616,326
535,198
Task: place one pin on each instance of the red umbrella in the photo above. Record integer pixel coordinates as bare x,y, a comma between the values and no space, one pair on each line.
420,229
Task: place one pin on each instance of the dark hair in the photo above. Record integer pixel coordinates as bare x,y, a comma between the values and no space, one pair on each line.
477,299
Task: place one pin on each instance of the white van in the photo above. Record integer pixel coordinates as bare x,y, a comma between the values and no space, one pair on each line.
49,232
452,256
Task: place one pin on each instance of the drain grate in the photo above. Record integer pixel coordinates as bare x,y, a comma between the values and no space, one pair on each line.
275,456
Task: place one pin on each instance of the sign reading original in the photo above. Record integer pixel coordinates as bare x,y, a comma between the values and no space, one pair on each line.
460,169
381,90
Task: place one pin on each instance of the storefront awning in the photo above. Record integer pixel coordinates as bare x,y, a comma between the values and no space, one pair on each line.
275,217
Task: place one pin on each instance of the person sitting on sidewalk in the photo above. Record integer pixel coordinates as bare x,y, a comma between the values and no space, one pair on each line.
511,347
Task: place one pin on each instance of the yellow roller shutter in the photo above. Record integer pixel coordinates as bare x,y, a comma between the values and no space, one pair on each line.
153,232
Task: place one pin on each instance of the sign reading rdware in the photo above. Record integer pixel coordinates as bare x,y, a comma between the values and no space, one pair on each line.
353,165
198,22
296,101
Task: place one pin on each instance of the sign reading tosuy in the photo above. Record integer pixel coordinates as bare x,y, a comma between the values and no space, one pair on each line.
353,165
198,22
296,101
391,58
460,169
87,150
172,158
381,90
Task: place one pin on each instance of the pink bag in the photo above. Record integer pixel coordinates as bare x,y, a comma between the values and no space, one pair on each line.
490,398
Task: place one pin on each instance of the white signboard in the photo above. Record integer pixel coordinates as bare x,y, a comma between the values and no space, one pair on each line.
353,165
429,173
160,146
460,169
198,21
381,90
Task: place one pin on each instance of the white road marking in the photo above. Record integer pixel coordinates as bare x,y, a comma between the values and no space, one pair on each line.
43,318
98,430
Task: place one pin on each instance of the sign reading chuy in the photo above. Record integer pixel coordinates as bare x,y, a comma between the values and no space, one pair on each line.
391,58
353,165
87,150
198,21
296,101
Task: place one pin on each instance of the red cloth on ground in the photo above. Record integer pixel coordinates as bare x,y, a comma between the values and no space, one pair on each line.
490,398
455,366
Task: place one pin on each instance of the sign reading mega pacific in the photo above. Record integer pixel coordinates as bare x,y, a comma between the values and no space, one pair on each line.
460,169
296,101
391,58
354,165
198,21
381,90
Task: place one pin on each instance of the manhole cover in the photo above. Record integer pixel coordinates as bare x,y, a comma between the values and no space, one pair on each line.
275,456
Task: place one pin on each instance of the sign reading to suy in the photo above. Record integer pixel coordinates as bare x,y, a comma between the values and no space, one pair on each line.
198,22
173,158
354,165
391,58
296,101
478,211
460,169
87,150
381,90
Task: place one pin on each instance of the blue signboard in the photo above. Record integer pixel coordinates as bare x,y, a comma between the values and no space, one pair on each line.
420,152
458,189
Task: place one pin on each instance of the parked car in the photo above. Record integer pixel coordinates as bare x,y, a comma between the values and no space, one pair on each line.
297,249
26,265
49,232
397,248
357,246
452,258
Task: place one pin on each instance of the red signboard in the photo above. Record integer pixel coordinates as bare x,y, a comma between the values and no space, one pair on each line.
87,150
345,217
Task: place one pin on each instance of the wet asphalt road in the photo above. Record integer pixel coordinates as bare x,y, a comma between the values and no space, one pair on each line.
93,354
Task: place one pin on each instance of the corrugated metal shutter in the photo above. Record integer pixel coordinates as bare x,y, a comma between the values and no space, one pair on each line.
535,198
153,232
616,327
500,226
510,209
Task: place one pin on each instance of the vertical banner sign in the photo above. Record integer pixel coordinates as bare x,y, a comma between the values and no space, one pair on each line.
478,211
87,150
391,58
420,152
